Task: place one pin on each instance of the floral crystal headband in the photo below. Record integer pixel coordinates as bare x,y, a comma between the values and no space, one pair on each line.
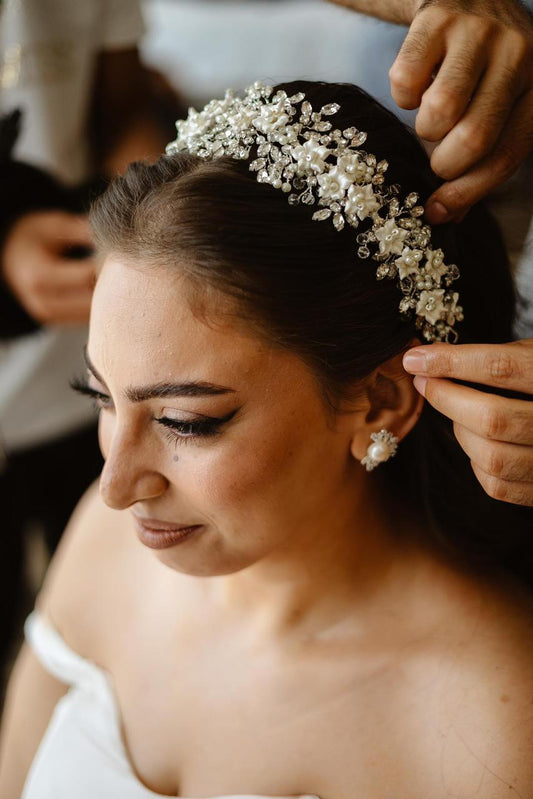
300,153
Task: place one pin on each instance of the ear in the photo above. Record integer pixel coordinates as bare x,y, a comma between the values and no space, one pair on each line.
392,403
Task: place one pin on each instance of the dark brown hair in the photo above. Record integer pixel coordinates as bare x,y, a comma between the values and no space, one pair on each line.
301,283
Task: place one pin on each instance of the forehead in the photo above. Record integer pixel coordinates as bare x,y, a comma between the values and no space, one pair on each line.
143,328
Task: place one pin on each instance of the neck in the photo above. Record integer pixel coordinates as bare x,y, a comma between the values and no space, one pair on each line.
331,573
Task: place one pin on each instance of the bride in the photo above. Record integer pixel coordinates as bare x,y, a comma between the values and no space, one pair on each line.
289,583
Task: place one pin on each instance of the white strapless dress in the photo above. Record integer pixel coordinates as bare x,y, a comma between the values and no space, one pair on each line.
82,754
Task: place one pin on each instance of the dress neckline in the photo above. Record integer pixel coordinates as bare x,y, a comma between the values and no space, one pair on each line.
41,630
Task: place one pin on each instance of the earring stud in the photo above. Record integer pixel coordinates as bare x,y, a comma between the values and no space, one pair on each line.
383,448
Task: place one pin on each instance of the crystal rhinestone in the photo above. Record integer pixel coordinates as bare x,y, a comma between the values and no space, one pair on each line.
411,200
323,214
382,272
382,166
453,272
323,127
330,109
308,198
335,207
349,133
363,252
378,180
286,187
371,160
258,164
293,199
394,207
418,211
362,238
359,139
338,221
297,98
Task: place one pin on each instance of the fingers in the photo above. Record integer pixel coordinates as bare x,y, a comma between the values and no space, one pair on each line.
477,132
500,460
446,100
491,417
505,490
412,72
508,366
514,145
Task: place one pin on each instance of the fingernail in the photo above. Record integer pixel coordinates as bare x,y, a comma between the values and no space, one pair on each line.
437,213
415,361
420,385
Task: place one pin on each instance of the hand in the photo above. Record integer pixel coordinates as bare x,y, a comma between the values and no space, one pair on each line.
52,287
495,432
468,65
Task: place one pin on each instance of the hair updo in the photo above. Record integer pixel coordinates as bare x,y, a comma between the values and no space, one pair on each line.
301,284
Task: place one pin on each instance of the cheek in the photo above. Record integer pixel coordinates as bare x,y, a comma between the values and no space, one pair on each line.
242,476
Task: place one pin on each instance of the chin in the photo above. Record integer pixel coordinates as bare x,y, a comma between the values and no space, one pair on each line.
202,566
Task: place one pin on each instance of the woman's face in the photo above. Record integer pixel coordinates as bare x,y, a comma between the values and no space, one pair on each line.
205,426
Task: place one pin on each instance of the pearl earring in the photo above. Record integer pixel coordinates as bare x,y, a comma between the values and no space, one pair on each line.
384,448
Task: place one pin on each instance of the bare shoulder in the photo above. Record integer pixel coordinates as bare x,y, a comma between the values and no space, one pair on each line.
82,588
478,726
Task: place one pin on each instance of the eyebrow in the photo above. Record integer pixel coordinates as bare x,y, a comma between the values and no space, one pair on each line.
162,390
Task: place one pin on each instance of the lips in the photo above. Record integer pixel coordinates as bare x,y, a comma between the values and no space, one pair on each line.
158,534
158,526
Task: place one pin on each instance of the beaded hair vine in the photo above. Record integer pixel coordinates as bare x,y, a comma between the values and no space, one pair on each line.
299,152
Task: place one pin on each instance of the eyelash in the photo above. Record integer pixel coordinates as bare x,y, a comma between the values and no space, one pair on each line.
175,431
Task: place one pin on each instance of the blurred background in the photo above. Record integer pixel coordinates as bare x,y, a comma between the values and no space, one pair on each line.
205,46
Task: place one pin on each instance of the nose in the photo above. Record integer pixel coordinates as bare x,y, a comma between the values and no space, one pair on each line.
130,472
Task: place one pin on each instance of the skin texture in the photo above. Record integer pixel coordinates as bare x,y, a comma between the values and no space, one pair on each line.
306,618
468,66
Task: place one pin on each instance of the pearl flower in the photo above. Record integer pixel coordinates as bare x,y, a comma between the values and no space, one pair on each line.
431,305
361,202
310,155
334,184
435,266
390,238
409,262
271,117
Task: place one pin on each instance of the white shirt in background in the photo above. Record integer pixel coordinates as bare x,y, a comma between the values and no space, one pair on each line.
48,55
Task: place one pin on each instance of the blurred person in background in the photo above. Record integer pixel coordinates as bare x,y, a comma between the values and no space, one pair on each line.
76,107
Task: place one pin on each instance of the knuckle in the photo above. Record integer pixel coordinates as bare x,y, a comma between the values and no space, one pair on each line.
519,46
483,28
495,463
492,424
402,77
474,139
495,487
443,103
501,367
